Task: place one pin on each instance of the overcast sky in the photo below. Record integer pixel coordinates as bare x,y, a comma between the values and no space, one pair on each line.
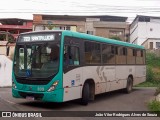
128,8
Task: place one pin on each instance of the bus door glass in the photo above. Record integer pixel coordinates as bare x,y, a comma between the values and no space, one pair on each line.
71,64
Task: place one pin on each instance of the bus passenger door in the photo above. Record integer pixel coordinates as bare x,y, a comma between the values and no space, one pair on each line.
72,72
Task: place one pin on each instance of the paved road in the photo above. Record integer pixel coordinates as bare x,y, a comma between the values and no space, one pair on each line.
113,101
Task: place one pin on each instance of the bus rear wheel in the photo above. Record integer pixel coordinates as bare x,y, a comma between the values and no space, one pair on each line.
129,86
85,94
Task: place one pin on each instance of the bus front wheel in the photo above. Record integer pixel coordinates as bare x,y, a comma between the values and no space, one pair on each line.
85,94
129,86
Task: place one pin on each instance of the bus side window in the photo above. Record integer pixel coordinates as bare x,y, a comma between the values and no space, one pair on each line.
131,56
139,57
75,57
92,52
108,54
121,57
71,56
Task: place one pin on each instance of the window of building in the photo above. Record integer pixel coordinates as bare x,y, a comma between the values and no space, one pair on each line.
108,54
151,29
92,53
90,32
68,28
151,45
157,45
144,19
62,27
113,33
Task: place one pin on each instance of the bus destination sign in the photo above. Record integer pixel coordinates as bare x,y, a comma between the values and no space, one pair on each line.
37,38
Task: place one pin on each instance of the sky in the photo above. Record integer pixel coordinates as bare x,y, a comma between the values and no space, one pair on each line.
128,8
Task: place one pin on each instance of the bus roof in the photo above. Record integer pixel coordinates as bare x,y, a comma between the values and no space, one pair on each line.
89,37
102,39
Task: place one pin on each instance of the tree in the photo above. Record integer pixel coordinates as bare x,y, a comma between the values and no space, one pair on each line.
2,37
50,26
115,37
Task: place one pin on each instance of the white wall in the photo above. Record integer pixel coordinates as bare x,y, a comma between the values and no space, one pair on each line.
5,71
146,44
134,33
154,42
38,27
155,33
142,32
145,30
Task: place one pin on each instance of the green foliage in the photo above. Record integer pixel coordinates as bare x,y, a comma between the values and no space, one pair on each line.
2,37
115,38
50,26
153,79
154,106
11,39
152,60
149,84
150,74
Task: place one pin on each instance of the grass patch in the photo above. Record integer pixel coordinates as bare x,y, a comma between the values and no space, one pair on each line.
149,84
154,106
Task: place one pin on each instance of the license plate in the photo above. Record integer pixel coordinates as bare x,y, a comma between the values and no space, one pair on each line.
30,98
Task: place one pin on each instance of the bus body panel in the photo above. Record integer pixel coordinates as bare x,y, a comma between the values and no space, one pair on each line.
106,77
103,77
55,96
25,90
95,73
122,74
72,84
140,74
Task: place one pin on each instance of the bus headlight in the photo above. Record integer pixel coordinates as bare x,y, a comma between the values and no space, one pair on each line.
53,86
14,85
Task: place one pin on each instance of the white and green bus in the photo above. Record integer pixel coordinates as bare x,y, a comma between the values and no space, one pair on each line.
58,66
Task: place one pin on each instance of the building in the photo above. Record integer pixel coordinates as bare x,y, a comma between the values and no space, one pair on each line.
15,26
144,30
10,28
106,26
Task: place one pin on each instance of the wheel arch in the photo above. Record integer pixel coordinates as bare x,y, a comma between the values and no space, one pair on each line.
91,88
131,76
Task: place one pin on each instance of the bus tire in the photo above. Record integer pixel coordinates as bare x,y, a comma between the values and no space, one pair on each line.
85,94
129,86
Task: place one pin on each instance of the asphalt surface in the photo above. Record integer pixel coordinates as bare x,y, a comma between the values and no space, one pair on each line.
112,101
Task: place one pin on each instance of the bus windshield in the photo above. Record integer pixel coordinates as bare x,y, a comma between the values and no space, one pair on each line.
36,60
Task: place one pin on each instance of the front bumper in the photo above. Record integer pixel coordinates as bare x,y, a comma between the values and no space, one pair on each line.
54,96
